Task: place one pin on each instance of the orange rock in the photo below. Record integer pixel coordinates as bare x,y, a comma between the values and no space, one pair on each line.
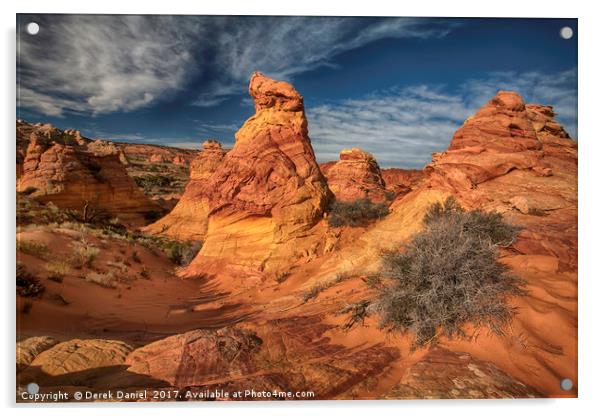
75,176
356,176
268,192
196,357
401,181
499,138
188,219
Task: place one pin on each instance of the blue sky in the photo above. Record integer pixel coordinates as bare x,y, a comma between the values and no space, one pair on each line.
398,87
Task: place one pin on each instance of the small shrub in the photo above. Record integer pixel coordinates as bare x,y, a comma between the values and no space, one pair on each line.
135,257
27,284
321,286
119,265
28,191
182,253
144,273
150,182
282,276
373,281
356,213
358,312
107,280
448,276
33,248
538,212
58,270
83,254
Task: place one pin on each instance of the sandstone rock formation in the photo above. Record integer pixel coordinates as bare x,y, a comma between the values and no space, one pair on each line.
267,192
401,181
356,176
79,174
197,356
30,348
500,137
189,218
443,374
79,355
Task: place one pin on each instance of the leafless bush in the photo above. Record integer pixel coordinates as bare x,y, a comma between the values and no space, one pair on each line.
448,275
103,279
321,286
355,213
357,313
28,285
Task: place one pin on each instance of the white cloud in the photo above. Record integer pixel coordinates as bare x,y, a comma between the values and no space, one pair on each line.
284,47
101,64
402,127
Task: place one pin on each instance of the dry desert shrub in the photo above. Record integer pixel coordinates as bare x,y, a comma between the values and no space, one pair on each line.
321,286
83,254
107,280
448,276
57,270
356,213
28,285
33,248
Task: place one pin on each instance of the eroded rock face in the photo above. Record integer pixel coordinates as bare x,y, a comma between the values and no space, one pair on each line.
196,357
78,355
401,181
291,354
30,348
499,138
356,176
189,218
443,374
74,173
267,192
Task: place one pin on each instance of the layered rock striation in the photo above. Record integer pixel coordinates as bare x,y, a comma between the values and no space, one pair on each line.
267,193
76,173
356,175
189,218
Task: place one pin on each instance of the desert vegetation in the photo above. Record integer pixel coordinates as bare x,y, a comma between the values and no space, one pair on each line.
448,276
322,285
356,213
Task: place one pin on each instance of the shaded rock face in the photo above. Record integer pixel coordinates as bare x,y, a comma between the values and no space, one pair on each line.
74,173
443,374
189,218
356,176
266,192
499,138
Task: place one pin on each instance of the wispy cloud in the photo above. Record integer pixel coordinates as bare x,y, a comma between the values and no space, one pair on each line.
100,64
284,47
403,126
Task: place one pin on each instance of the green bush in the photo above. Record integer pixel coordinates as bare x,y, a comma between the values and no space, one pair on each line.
355,213
448,276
